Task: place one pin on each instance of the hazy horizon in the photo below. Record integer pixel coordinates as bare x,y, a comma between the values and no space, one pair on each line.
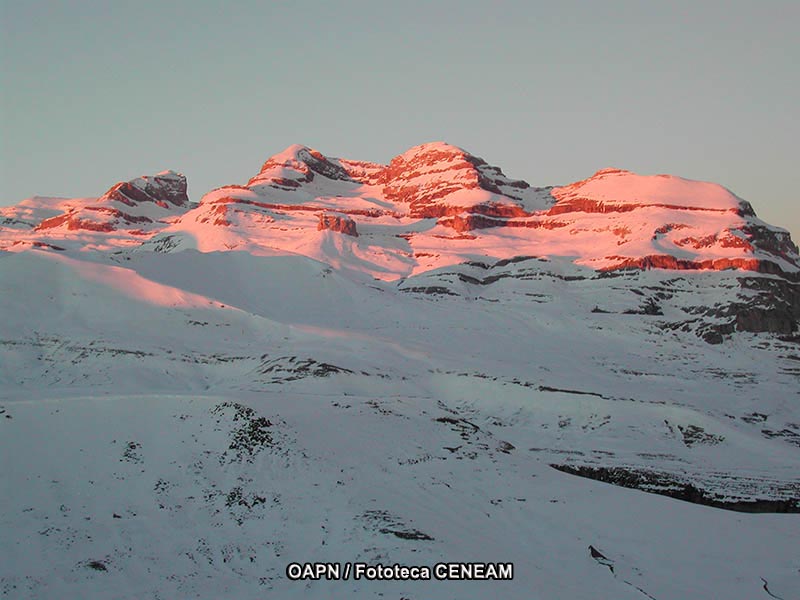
94,93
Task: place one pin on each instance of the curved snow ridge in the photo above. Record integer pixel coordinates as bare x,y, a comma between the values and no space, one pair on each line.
617,190
131,284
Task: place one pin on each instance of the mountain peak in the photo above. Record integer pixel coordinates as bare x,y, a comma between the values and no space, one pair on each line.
296,165
439,148
164,189
438,179
297,153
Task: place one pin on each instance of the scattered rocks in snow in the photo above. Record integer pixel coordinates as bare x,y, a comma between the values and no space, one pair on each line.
786,434
696,435
131,453
388,524
250,434
291,368
97,565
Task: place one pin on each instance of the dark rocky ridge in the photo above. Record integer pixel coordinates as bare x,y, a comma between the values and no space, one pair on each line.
664,484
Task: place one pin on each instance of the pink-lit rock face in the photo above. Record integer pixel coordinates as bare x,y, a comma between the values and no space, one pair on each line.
110,216
427,178
72,222
341,223
445,205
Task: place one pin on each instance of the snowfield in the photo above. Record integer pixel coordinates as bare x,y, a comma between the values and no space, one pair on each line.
143,496
192,397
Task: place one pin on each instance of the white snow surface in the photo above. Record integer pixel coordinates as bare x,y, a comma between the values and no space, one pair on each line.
617,186
187,410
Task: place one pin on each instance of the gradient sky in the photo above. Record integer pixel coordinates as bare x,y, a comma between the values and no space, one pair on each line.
97,92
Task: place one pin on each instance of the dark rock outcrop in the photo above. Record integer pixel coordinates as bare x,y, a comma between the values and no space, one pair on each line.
165,189
337,222
772,240
668,485
776,309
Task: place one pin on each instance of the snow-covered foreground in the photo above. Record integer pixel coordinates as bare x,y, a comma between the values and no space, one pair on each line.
187,425
168,496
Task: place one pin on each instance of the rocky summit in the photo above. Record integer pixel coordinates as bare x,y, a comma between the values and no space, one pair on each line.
399,365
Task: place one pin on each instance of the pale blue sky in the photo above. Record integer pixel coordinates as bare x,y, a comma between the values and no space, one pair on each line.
96,92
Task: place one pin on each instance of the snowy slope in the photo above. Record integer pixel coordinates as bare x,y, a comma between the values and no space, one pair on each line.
135,497
411,363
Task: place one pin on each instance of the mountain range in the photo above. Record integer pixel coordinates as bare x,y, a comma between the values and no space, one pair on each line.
412,363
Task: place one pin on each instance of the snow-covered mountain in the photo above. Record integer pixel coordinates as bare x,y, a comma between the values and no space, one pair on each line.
412,363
